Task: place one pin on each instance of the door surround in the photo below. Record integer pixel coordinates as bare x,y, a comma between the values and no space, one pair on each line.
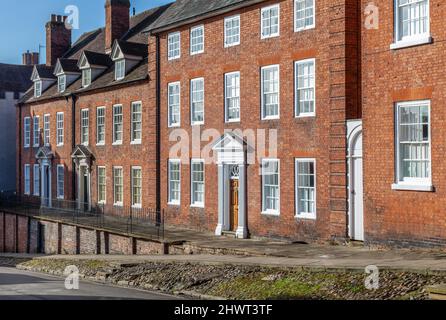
82,158
44,157
354,129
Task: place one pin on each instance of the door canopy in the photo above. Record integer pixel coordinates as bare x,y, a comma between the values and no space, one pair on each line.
44,153
230,148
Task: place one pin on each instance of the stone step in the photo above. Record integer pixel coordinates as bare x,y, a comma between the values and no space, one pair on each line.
230,234
437,292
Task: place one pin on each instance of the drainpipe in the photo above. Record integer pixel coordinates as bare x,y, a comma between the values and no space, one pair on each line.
158,125
19,147
73,144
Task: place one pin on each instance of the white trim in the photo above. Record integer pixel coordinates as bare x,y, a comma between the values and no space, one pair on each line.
117,142
171,35
273,35
169,122
409,41
192,53
86,83
59,196
27,172
135,205
59,84
47,116
118,62
26,132
97,177
170,202
227,120
134,141
36,145
296,102
269,211
101,143
121,203
262,113
305,215
36,194
192,203
87,111
226,45
312,26
417,184
57,129
196,123
38,91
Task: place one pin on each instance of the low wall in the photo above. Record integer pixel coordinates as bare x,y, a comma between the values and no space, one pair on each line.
22,234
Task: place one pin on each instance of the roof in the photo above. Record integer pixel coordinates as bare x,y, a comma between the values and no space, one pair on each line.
15,78
69,65
44,71
92,43
185,11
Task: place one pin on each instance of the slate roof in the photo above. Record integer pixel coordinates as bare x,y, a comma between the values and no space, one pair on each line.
45,72
69,65
15,78
93,44
183,11
133,49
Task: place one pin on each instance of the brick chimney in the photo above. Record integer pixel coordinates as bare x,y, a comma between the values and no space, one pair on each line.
58,39
117,21
30,58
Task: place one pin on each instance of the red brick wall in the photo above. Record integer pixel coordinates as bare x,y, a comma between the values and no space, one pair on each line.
402,217
62,155
125,155
307,137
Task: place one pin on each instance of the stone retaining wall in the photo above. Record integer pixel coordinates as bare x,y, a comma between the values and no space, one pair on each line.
22,234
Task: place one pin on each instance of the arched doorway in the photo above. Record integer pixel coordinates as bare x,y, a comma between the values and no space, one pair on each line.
356,184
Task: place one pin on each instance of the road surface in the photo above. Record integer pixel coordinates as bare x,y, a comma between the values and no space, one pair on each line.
24,285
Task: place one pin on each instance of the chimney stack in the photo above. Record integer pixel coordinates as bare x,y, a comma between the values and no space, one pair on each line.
58,39
30,58
117,21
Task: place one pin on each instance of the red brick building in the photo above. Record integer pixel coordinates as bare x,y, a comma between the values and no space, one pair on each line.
300,119
87,133
284,72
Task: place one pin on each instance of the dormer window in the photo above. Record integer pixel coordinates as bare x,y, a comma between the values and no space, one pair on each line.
86,77
61,83
37,89
119,69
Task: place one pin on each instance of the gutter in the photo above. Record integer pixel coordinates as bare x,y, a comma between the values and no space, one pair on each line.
203,16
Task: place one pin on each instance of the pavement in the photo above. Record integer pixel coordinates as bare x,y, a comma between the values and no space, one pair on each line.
24,285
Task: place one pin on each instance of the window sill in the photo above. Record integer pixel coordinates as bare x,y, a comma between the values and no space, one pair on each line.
305,216
413,187
174,126
304,28
232,45
198,206
305,115
117,144
271,118
232,121
196,53
137,206
411,43
197,124
101,144
271,213
59,145
269,37
36,146
173,58
118,204
138,142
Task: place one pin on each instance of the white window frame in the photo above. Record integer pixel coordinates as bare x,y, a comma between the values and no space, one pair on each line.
196,204
61,83
36,180
37,89
27,180
262,98
115,123
104,201
172,201
47,130
120,69
170,50
225,35
133,186
192,52
305,27
86,77
413,40
227,120
60,195
36,131
60,129
270,35
299,214
171,124
297,112
103,125
192,101
85,125
266,211
415,184
134,122
118,203
27,132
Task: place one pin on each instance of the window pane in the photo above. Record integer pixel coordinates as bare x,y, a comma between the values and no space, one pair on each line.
174,104
232,99
304,14
305,88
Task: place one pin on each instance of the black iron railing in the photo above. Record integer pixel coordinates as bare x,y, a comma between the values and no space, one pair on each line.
130,220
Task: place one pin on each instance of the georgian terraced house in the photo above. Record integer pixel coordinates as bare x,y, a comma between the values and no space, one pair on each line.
350,116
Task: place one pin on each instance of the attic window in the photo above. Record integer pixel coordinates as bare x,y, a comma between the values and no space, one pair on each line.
61,83
119,69
37,89
86,77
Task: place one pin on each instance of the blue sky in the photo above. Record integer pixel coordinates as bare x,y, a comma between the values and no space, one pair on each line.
22,22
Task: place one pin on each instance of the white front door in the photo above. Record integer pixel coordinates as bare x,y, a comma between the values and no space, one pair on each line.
356,191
